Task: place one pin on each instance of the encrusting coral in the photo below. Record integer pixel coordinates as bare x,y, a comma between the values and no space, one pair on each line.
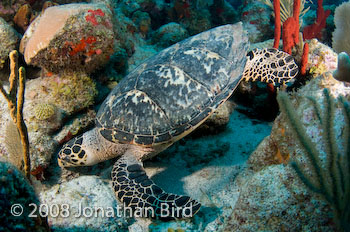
15,100
73,86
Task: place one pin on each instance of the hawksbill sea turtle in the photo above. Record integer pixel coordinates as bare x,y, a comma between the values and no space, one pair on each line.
163,100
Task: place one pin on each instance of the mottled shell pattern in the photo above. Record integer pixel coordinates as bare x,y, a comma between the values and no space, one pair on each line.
176,90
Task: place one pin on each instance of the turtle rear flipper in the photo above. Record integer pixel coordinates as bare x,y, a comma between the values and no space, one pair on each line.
270,66
145,199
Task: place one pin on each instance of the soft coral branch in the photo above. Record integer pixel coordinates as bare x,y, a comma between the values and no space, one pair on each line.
315,30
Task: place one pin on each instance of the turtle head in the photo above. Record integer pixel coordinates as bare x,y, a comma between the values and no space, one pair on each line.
270,66
72,153
83,150
88,149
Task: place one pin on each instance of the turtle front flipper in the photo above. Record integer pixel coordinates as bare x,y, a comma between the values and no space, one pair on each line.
145,199
270,66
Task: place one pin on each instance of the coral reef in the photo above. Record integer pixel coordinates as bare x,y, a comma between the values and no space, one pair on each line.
44,111
240,189
304,59
48,102
143,21
321,58
80,37
273,199
290,29
11,144
277,34
71,87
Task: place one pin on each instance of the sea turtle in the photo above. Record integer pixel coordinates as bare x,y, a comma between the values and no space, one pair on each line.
163,100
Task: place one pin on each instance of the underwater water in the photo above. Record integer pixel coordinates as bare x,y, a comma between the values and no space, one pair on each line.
174,115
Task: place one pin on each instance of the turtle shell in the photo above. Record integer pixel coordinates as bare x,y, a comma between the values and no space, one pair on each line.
174,91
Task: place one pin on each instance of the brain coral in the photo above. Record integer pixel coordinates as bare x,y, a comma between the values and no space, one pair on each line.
44,111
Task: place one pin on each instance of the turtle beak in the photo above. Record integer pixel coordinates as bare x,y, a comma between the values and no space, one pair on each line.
64,162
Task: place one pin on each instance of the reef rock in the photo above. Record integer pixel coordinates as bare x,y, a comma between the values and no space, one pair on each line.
72,36
274,198
169,34
218,121
47,101
321,58
9,40
9,8
86,203
256,20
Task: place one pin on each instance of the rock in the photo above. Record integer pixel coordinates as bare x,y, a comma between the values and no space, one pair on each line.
266,154
17,196
140,55
321,58
79,36
274,199
9,8
169,34
218,120
143,21
256,20
47,101
85,203
223,13
9,41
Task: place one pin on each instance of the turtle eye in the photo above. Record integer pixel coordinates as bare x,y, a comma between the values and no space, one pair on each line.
251,55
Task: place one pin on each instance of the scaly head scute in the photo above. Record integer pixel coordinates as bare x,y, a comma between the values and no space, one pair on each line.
270,66
72,154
